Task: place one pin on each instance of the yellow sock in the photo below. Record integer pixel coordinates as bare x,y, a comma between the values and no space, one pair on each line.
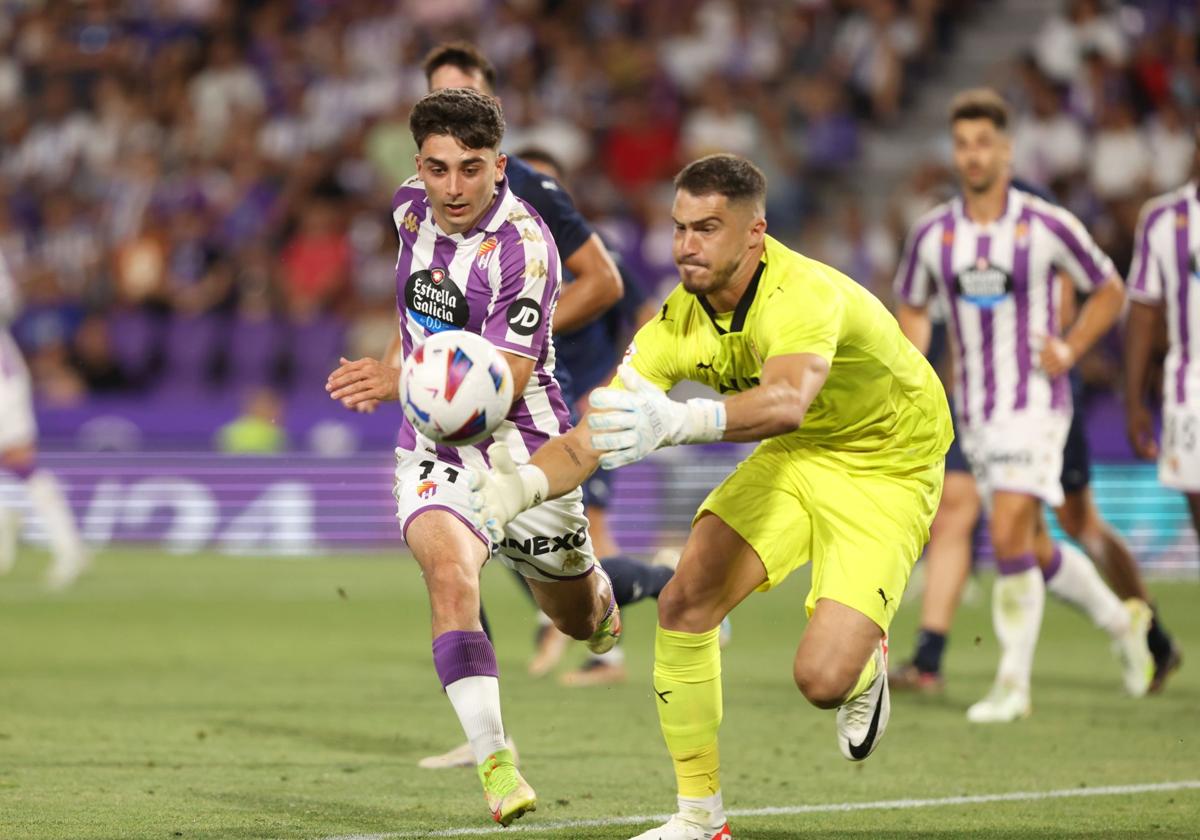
864,680
687,680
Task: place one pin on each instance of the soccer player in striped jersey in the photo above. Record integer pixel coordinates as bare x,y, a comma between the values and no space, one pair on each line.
1166,262
993,256
473,256
18,457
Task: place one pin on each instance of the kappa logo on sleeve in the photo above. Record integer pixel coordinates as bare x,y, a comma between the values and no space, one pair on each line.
524,316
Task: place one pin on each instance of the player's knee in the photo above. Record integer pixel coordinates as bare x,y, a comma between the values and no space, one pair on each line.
1009,538
822,686
686,609
449,583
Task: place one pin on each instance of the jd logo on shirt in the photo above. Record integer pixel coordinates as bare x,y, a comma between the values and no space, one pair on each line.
524,316
983,284
435,301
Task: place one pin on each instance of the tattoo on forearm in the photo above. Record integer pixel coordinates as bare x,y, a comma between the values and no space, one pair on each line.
571,454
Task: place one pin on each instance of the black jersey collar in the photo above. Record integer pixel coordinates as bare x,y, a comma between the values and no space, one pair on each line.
743,305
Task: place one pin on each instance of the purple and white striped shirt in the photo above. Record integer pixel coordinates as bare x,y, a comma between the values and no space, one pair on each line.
998,284
500,279
12,366
1166,261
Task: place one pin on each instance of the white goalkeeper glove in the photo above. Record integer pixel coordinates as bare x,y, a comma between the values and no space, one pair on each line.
498,495
628,424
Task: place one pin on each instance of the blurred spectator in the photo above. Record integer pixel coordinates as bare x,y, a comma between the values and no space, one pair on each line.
871,48
1066,38
1120,159
718,124
1049,145
92,357
257,430
316,262
226,85
1172,147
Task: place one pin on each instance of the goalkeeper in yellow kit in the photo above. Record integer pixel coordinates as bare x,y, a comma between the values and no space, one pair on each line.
854,426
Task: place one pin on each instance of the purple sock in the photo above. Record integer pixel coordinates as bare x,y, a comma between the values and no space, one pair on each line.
463,653
1055,561
1016,565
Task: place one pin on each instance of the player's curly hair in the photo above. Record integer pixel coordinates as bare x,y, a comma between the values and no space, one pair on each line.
729,175
470,117
980,104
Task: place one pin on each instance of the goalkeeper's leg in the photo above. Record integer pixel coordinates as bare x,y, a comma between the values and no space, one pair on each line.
718,569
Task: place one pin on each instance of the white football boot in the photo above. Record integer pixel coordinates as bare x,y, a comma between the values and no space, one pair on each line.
862,721
1131,648
681,828
1003,704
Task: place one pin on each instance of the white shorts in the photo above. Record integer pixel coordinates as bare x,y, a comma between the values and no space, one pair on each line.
17,426
549,542
1179,456
1021,454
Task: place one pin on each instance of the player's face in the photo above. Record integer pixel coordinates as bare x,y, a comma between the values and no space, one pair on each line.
460,182
713,239
982,154
449,76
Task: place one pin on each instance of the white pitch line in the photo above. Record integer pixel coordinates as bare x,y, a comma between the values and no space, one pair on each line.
787,810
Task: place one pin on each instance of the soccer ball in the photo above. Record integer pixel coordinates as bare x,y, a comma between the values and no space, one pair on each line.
456,388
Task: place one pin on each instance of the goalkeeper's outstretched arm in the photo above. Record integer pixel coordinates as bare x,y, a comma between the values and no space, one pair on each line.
628,423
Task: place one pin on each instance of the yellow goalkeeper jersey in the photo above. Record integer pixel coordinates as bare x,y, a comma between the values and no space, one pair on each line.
882,407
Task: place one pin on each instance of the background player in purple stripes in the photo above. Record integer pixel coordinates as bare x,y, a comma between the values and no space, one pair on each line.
474,256
995,254
1165,264
949,555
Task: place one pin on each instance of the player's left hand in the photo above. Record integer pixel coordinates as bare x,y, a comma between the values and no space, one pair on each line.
498,495
1056,357
628,424
363,384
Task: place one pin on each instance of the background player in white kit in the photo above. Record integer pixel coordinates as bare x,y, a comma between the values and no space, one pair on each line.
1166,261
994,254
473,256
18,456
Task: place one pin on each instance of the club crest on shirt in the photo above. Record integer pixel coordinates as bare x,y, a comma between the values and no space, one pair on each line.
983,284
1021,233
435,301
484,255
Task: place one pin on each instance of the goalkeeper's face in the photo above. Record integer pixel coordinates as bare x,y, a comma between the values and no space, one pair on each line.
714,239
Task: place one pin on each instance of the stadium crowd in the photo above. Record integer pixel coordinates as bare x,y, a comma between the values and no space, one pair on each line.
195,193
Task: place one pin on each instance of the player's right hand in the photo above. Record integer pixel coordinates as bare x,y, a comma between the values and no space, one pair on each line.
363,384
498,495
1139,425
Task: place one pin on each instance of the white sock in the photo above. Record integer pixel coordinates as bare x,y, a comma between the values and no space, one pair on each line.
476,701
9,525
708,811
1017,603
1079,584
48,501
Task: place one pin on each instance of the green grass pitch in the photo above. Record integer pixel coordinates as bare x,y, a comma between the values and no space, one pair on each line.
217,697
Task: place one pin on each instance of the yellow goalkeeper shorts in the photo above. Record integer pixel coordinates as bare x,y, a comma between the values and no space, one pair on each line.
863,531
